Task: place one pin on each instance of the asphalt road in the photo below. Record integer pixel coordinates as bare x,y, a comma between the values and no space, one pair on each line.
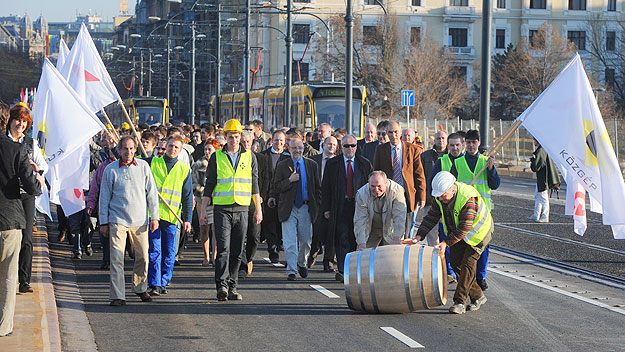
531,305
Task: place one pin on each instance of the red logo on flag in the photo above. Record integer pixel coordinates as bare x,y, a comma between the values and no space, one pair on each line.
580,204
91,78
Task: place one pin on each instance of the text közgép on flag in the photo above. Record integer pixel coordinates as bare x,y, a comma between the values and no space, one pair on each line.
565,119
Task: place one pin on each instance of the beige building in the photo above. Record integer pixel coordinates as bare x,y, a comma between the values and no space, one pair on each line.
455,24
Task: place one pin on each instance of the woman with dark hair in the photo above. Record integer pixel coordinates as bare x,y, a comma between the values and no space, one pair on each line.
20,121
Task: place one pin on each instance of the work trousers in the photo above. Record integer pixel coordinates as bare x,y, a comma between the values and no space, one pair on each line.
79,230
464,261
344,239
252,239
26,250
141,245
10,242
541,204
162,250
296,237
321,237
230,228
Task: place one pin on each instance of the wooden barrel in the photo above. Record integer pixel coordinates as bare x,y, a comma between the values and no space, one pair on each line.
395,279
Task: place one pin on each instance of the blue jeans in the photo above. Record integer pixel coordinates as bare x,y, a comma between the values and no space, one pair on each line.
441,238
480,273
297,238
162,253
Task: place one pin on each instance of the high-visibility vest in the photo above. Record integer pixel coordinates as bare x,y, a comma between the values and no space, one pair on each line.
169,185
483,221
445,163
466,175
233,186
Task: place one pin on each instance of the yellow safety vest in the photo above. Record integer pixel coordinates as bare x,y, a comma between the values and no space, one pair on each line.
445,163
466,175
483,221
169,185
233,186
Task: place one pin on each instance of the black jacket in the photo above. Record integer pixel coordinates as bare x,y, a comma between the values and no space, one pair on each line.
428,159
287,190
368,150
14,168
546,171
271,214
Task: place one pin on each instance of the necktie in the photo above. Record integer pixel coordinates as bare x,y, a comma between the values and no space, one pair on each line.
350,180
299,195
397,177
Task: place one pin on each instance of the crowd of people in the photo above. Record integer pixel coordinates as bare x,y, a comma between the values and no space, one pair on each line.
323,193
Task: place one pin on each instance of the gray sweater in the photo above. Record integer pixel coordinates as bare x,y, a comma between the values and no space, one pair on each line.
127,193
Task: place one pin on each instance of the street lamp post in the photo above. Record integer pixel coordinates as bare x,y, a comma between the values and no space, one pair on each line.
487,11
150,73
192,120
218,73
349,44
288,42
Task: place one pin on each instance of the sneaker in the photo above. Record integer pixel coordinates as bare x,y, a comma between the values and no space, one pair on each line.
476,304
89,251
222,294
274,259
145,297
483,285
233,295
543,220
26,288
164,290
451,279
291,277
532,217
457,308
155,291
303,271
117,303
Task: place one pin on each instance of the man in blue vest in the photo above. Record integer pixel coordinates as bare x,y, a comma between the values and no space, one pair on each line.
465,168
231,184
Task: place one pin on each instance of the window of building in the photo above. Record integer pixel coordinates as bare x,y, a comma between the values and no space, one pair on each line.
459,3
538,4
577,5
416,2
301,33
501,4
300,71
609,77
415,35
500,39
578,38
610,41
458,37
371,2
371,35
301,0
611,5
534,39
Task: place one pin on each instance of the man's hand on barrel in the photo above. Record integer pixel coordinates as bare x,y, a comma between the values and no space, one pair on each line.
411,240
442,246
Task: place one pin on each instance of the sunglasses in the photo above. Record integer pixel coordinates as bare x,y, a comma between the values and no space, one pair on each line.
162,148
349,145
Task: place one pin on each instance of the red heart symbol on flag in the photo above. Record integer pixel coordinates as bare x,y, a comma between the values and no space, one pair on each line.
77,193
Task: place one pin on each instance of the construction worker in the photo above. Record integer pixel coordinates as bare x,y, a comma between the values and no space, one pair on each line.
469,227
231,183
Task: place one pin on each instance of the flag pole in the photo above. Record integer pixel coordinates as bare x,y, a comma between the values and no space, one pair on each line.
497,145
132,126
114,132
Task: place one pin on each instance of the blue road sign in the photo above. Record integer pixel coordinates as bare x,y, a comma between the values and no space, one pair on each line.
407,98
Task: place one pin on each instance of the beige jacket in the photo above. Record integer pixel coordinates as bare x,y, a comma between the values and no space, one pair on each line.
393,220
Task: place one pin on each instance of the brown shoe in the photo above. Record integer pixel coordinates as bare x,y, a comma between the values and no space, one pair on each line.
145,297
117,302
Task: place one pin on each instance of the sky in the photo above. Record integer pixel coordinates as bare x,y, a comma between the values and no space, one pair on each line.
63,10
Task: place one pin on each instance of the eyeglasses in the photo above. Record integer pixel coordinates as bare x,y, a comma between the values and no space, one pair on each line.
381,134
349,145
162,148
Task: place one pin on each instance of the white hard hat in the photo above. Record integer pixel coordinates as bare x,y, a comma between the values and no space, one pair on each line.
442,182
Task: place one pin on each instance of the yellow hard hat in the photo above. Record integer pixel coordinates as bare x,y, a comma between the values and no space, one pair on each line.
125,126
233,126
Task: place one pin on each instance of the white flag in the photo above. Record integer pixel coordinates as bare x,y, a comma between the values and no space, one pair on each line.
84,70
62,122
63,53
72,200
565,119
576,206
42,202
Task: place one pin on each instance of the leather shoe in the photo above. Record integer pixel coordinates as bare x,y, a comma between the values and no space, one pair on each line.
274,259
77,255
291,277
483,285
222,294
145,297
117,303
311,261
303,271
89,250
155,291
233,295
328,267
164,290
339,277
105,266
25,288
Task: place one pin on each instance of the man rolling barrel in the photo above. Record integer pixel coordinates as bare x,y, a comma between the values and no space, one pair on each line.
380,214
468,226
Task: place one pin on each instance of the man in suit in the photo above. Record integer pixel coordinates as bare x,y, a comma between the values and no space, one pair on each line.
270,227
343,176
401,161
296,182
370,136
320,227
368,150
324,130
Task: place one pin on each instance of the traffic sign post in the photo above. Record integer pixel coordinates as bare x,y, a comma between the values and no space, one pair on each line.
407,100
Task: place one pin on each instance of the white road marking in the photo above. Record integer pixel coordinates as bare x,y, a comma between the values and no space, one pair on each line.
324,291
401,337
277,265
557,290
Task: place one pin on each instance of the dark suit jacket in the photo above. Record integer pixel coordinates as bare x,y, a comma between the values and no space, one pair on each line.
286,190
319,160
264,175
315,144
270,214
412,170
359,145
368,150
334,187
